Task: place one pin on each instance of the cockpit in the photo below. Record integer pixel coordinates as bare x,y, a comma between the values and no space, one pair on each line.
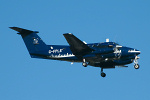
104,45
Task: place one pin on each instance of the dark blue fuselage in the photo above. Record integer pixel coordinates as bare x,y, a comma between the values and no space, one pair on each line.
104,55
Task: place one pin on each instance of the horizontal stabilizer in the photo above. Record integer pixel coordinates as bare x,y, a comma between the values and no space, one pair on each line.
77,46
23,32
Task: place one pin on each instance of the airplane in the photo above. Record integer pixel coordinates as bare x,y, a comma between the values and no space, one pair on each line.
104,55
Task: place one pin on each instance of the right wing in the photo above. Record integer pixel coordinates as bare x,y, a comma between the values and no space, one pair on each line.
77,47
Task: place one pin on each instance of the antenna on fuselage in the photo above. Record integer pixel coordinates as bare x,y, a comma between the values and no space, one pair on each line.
107,40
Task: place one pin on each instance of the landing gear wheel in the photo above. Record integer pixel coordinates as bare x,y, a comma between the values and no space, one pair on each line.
103,74
84,64
136,66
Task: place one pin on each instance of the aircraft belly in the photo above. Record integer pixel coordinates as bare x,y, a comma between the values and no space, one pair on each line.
100,62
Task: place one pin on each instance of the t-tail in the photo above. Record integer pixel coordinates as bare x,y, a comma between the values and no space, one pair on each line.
33,42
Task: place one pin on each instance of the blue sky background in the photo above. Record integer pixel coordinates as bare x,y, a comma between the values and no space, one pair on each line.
126,22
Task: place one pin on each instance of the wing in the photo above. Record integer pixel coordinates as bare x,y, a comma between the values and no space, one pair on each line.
77,47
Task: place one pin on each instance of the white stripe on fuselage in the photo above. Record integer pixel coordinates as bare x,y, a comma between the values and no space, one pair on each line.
62,56
134,51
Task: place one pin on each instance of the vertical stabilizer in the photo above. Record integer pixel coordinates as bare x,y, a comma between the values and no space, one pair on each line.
33,42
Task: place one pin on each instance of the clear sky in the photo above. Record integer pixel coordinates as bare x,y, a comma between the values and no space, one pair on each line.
126,22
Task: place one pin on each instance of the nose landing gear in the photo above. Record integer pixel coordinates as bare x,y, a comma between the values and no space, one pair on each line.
136,65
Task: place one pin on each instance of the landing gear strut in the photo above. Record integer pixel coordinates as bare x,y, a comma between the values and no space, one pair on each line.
102,73
136,65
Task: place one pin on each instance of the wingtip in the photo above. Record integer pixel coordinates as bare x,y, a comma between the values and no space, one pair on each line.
13,27
67,34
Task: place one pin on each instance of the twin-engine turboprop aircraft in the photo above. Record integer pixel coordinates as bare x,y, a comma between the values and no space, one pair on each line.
103,55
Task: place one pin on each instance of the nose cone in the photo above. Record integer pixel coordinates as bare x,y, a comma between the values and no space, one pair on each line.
137,52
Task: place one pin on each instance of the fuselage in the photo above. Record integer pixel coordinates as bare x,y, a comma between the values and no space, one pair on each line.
104,54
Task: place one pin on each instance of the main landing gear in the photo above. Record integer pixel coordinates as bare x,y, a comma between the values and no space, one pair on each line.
102,73
136,65
84,63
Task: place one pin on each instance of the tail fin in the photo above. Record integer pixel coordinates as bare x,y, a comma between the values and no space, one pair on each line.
32,41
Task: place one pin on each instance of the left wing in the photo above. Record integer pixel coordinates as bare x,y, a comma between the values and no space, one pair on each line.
77,47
